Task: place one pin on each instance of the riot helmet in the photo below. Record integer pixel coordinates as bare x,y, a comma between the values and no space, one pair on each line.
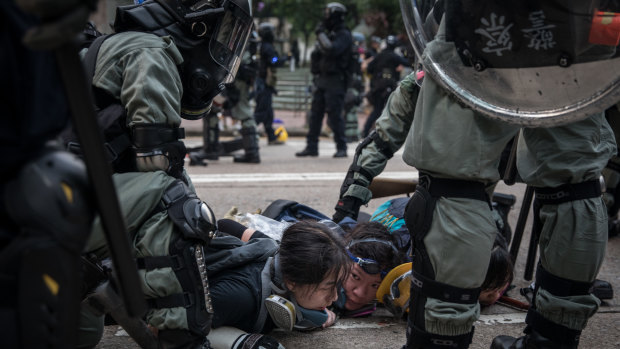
358,38
534,64
266,32
211,35
334,15
391,42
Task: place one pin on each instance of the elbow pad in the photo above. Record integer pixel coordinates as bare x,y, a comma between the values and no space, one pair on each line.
324,43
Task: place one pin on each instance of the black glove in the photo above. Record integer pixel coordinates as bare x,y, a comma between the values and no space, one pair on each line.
320,28
347,206
256,341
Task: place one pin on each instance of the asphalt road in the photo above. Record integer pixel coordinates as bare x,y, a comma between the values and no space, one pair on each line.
316,182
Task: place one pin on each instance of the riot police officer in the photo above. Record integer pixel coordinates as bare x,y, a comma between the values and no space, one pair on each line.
330,66
160,71
384,70
46,205
458,134
266,81
355,90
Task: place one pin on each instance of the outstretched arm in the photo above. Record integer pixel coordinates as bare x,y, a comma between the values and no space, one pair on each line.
372,153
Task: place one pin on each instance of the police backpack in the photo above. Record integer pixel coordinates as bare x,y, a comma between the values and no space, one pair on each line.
111,115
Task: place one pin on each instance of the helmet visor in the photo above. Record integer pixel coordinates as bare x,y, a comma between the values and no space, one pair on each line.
231,36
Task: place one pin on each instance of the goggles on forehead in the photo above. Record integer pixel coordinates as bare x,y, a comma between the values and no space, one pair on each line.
370,266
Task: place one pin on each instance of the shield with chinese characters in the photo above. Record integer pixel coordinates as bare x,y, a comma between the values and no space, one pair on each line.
532,63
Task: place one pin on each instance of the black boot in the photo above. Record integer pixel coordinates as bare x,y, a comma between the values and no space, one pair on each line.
250,145
307,152
532,340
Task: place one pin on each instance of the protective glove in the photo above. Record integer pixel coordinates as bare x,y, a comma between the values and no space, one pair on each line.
256,341
347,206
320,28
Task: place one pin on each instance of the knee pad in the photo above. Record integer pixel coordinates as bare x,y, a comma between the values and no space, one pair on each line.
559,287
49,200
51,197
196,226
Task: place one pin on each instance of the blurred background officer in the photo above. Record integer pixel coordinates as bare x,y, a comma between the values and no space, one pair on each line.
355,91
330,64
384,70
46,208
266,81
237,105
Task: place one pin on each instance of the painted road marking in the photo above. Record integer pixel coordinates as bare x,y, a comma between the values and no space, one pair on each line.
288,177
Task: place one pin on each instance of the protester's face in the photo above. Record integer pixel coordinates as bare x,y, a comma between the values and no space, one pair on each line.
316,298
488,297
360,288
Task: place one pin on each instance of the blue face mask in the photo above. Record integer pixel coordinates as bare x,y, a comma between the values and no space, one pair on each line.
309,319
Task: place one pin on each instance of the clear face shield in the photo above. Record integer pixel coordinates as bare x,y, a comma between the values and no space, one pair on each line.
228,42
539,65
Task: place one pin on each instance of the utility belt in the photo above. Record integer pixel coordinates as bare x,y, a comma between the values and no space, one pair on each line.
453,188
122,148
568,192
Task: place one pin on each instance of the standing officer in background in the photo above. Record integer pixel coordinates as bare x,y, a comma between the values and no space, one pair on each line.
355,91
463,120
266,81
240,108
330,63
384,70
237,105
167,60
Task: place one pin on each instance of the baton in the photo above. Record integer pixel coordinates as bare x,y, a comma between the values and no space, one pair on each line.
84,121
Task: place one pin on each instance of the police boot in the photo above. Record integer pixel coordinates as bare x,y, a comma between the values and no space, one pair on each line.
532,340
250,145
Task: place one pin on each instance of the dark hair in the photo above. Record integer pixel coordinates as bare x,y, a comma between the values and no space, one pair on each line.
310,252
500,271
382,253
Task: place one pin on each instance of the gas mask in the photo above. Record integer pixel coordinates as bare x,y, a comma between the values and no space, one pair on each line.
211,35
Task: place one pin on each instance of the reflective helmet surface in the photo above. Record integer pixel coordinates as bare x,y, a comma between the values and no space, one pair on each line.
335,13
266,31
358,38
391,42
394,290
536,64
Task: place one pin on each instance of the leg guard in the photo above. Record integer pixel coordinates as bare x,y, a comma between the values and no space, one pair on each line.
560,287
195,225
250,145
40,269
418,218
540,331
210,141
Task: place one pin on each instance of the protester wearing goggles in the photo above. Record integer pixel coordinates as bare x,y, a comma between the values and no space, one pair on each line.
373,254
